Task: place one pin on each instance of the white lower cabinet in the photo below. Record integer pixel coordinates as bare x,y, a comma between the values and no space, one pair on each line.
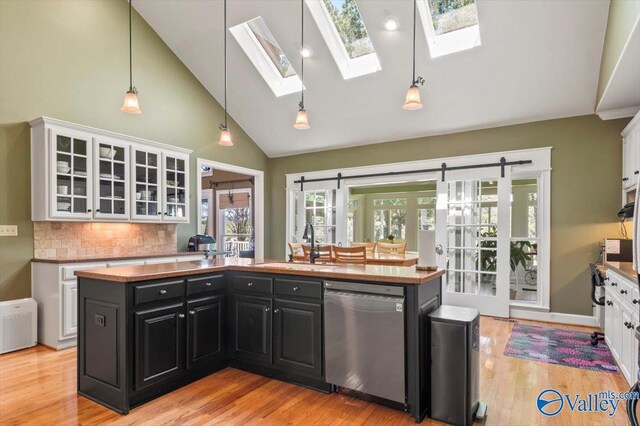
621,319
55,288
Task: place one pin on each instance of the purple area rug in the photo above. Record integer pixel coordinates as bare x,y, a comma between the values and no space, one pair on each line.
561,347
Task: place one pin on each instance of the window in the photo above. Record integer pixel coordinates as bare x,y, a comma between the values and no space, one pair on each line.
320,210
525,240
345,33
427,212
389,218
351,220
450,25
267,56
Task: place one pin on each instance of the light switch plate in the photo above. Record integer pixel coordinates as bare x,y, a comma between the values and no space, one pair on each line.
8,230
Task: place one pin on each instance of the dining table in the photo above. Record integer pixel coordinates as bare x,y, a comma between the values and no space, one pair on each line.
393,259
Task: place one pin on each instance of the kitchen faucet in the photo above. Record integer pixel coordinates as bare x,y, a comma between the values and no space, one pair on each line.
313,254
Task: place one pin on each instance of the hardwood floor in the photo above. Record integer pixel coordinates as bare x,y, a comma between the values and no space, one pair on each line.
38,386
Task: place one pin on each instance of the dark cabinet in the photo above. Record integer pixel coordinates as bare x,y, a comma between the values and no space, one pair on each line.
297,336
250,328
205,330
159,343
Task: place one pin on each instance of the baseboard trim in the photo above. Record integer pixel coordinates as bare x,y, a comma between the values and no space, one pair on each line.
557,317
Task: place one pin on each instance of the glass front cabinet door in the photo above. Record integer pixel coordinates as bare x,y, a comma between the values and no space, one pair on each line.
146,175
111,177
71,172
176,188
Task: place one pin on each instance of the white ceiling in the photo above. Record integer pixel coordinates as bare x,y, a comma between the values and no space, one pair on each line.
538,60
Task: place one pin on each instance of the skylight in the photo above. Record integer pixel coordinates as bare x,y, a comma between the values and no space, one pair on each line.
345,33
450,25
267,56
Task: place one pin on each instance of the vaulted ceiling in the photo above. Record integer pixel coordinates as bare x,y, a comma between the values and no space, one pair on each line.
538,60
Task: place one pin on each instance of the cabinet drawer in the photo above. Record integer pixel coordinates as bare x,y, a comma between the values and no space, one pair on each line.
67,271
205,284
299,288
158,291
252,284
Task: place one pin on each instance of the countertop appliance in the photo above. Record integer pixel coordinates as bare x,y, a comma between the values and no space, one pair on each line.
632,403
455,364
201,242
364,338
627,211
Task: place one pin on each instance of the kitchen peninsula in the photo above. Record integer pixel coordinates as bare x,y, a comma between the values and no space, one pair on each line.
147,330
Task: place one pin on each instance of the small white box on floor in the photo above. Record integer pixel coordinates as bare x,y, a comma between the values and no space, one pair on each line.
18,324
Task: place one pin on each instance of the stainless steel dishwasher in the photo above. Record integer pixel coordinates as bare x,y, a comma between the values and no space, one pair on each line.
364,338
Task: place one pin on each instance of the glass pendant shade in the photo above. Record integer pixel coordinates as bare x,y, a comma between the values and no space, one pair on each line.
225,138
130,105
412,101
302,120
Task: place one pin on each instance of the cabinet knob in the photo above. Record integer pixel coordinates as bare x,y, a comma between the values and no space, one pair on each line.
97,210
637,172
625,179
88,210
192,312
614,284
628,324
623,291
159,213
296,288
180,315
635,301
267,309
609,303
163,291
276,310
249,284
207,284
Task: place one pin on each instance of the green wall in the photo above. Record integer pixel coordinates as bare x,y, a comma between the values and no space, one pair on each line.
585,195
69,60
623,15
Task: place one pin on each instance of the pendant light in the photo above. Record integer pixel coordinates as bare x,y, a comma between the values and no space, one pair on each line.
225,134
130,105
302,120
412,100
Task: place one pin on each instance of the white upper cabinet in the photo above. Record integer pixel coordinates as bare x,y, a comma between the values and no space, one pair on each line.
631,153
85,174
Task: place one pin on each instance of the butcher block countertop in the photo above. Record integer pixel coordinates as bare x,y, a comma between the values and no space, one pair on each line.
119,258
377,273
623,268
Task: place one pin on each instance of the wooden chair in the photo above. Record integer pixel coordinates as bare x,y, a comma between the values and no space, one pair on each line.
350,254
370,248
324,250
396,248
296,250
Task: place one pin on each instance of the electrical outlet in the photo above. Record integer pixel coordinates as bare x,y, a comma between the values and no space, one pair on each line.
8,230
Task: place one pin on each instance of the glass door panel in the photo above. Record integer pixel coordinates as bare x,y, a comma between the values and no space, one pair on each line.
176,184
70,153
145,184
111,180
473,227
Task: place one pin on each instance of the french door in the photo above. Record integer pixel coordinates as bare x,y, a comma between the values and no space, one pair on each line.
473,227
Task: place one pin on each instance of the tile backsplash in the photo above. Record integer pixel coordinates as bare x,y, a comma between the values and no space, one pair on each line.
75,240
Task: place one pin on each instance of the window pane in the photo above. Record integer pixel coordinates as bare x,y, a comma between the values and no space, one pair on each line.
431,199
524,208
524,271
398,223
426,219
390,202
350,26
380,224
271,47
452,15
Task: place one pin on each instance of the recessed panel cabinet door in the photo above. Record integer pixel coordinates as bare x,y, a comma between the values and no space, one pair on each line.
205,341
250,328
159,335
298,336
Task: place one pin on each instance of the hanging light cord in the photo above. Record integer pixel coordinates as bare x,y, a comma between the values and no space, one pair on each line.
225,64
302,56
420,80
131,89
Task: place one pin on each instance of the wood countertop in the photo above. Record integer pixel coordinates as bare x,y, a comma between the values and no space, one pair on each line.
116,259
625,269
376,273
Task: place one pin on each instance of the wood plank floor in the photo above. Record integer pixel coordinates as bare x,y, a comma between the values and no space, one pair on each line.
38,387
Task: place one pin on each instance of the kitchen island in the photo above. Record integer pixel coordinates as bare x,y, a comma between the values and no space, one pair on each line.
147,330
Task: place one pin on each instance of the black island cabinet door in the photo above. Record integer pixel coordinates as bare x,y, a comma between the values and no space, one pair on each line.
205,330
159,337
250,328
298,336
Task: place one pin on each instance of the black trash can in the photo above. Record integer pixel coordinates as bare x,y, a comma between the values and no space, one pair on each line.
455,364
